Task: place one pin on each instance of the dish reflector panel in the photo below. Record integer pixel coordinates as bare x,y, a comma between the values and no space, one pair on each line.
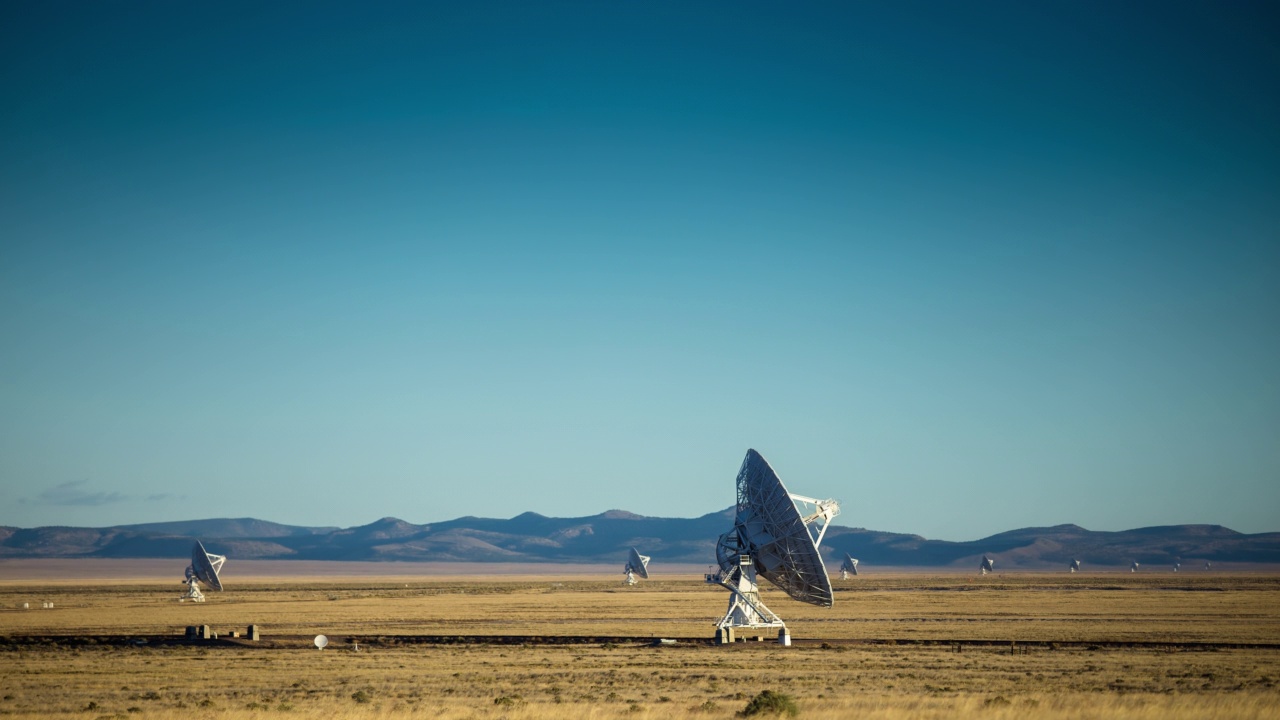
203,567
771,530
639,564
850,564
321,641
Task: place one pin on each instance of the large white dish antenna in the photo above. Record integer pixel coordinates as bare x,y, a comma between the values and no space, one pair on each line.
637,564
321,642
771,538
1075,565
770,529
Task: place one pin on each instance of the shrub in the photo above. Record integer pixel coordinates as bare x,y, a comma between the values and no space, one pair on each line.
361,696
770,702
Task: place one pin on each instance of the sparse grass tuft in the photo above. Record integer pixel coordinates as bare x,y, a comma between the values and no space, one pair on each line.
769,702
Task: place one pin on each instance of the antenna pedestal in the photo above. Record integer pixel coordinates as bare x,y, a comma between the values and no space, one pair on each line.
746,611
193,591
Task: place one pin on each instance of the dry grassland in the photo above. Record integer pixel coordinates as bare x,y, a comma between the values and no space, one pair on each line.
892,678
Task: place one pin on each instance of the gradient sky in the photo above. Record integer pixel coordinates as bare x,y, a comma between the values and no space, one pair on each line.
965,267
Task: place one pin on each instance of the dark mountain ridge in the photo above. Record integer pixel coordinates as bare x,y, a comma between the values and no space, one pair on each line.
604,538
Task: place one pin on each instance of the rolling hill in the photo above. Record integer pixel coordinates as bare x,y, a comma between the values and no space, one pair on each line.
604,538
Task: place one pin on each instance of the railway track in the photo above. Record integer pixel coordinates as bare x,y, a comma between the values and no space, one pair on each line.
344,643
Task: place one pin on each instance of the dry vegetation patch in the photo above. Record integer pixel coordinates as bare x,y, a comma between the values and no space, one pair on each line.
71,675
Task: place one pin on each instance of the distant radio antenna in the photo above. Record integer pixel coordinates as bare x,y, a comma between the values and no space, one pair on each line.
1075,565
988,564
321,642
1134,567
204,568
1176,566
1207,564
637,564
848,567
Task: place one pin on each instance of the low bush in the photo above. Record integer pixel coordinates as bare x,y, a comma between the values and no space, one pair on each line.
769,702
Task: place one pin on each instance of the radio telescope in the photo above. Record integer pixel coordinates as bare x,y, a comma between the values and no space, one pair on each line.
204,568
1134,566
848,567
771,537
1206,564
1176,566
988,565
637,564
1075,565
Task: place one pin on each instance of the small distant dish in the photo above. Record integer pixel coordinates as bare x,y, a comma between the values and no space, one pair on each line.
1075,565
204,568
988,565
321,642
637,564
1134,567
848,567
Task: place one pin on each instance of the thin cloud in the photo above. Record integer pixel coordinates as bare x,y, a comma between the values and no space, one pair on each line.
160,497
73,494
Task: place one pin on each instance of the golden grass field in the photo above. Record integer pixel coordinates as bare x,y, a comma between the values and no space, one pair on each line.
1065,646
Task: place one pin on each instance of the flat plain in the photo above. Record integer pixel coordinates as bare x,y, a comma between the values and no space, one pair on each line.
896,645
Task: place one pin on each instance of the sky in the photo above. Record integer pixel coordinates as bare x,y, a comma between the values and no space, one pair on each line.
964,267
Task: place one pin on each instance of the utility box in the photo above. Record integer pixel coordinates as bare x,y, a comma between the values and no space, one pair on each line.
253,632
206,633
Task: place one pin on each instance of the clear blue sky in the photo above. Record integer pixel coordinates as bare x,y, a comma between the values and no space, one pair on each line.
964,267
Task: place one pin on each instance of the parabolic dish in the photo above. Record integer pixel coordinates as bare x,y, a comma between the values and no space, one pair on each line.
203,567
639,564
849,565
321,641
771,530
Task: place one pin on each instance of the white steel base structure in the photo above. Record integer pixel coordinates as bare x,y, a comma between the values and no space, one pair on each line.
746,611
193,592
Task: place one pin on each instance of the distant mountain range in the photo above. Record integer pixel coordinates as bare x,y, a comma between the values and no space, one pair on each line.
605,538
